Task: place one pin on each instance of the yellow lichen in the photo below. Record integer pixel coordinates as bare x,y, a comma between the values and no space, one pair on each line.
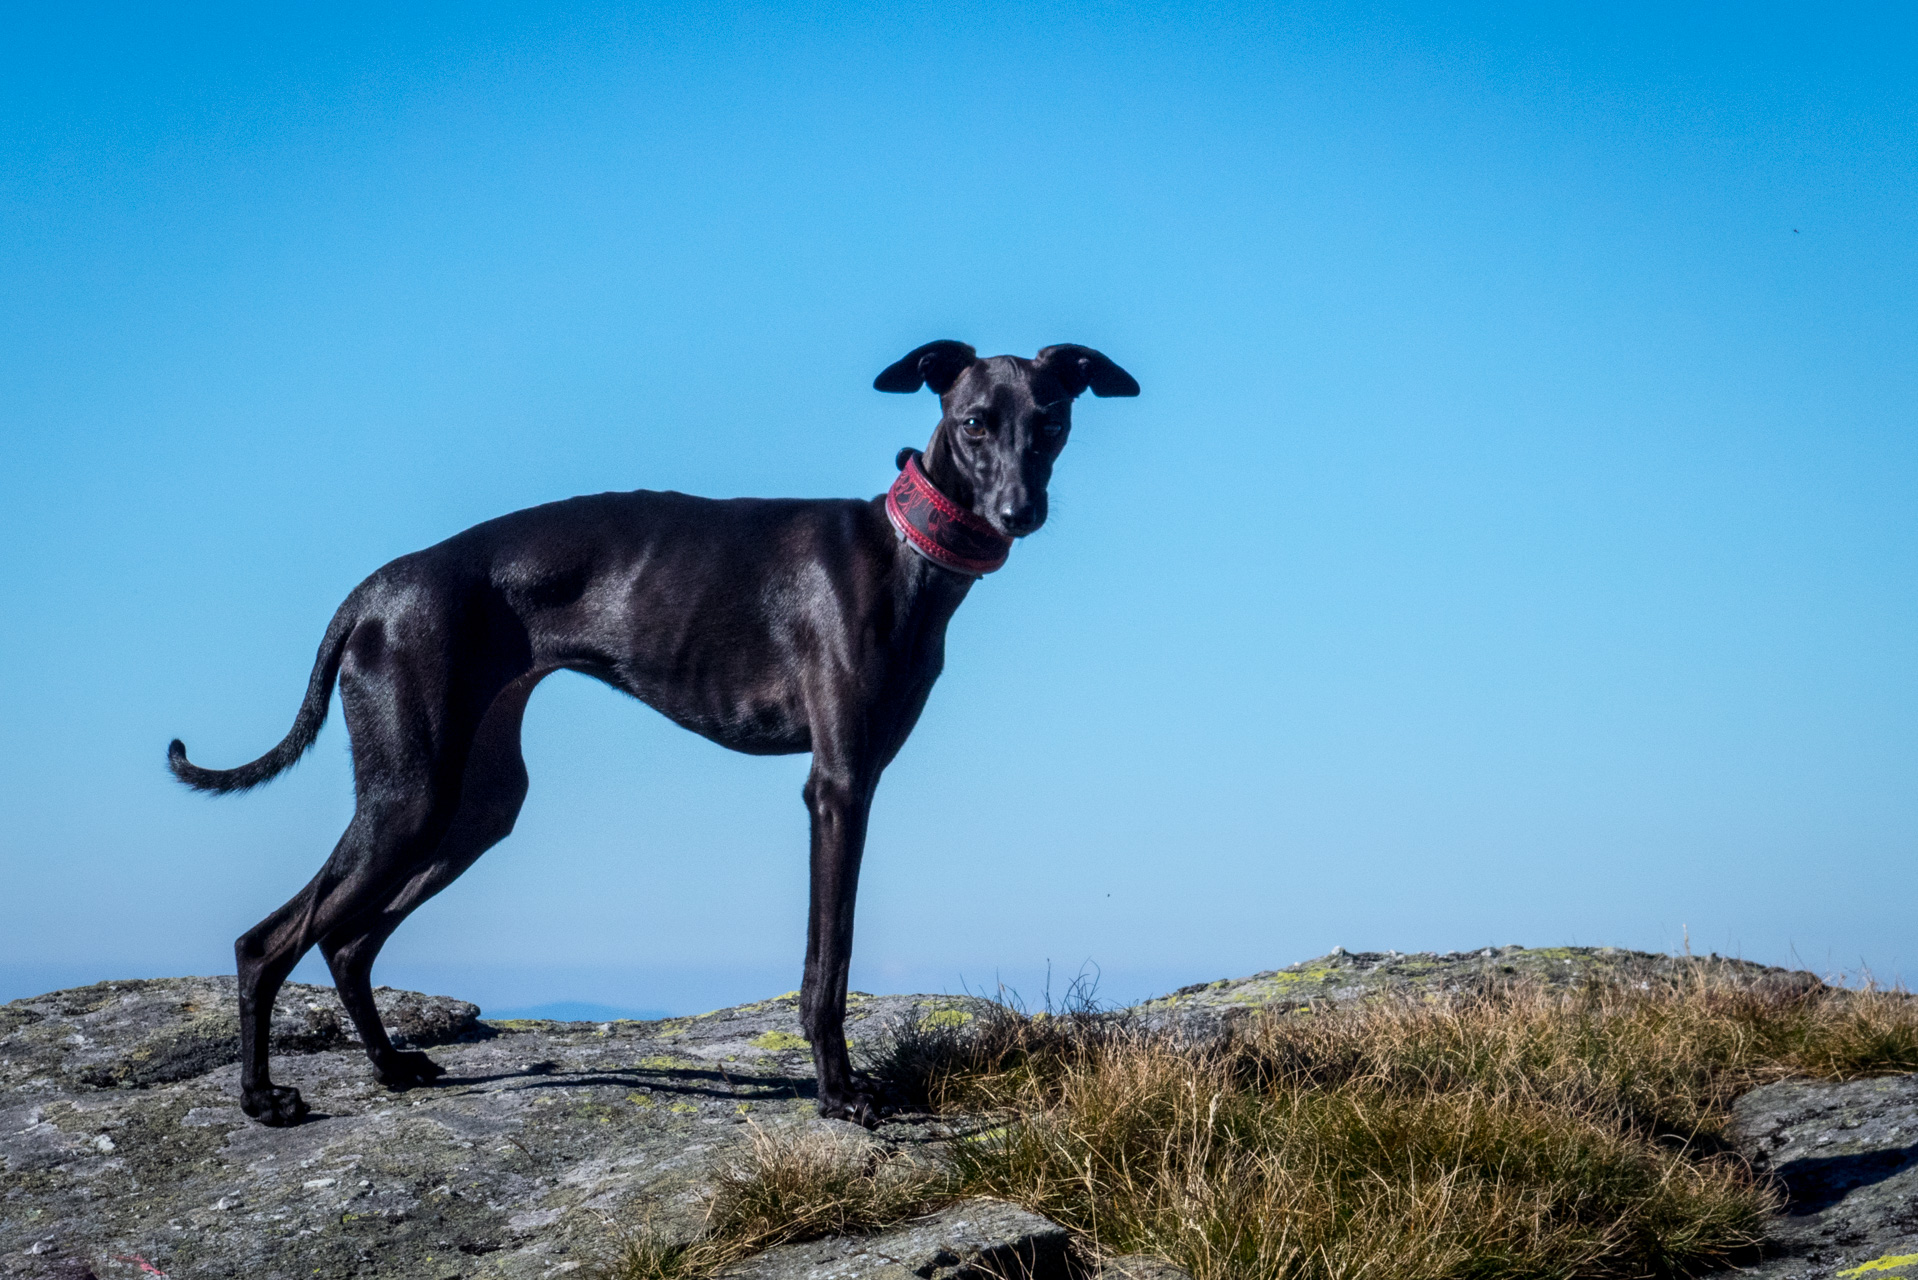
664,1062
778,1042
1890,1262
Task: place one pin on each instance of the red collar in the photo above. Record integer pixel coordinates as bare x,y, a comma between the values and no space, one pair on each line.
940,529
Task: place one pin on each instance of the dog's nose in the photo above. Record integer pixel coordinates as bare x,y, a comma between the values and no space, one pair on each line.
1019,519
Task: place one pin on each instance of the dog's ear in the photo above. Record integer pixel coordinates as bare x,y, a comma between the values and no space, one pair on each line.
936,365
1082,369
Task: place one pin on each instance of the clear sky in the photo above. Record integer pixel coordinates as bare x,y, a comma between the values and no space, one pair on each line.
1515,541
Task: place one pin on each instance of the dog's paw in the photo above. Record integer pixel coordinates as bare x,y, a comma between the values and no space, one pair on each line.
276,1105
859,1111
408,1070
859,1104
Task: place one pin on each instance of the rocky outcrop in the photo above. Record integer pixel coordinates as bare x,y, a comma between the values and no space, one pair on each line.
976,1240
1847,1157
1344,977
126,1155
156,1031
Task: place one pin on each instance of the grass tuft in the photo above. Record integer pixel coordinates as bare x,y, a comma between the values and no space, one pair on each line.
1205,1157
786,1188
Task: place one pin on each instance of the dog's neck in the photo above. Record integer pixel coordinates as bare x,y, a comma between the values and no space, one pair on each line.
937,462
932,525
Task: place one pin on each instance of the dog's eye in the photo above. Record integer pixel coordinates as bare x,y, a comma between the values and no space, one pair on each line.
1052,429
974,429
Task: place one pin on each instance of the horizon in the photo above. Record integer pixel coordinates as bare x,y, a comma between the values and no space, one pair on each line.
1514,539
1081,990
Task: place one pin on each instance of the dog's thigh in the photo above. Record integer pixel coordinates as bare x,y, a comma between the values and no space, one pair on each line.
492,790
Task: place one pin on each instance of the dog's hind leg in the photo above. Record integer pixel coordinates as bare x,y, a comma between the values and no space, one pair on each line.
491,792
410,740
355,878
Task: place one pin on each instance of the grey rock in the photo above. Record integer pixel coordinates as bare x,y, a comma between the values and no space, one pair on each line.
1846,1156
1141,1266
1343,977
121,1137
156,1030
972,1240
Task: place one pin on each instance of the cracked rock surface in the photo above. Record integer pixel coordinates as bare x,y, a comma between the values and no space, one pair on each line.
124,1147
1847,1155
973,1240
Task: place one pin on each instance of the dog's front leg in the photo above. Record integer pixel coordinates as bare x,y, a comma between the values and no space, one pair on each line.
839,800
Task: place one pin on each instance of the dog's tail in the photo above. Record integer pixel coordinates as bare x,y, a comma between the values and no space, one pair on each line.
306,725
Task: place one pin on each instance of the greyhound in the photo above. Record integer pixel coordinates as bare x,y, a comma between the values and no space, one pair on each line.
771,626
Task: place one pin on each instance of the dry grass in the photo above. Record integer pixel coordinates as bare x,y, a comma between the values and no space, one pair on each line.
1515,1132
1214,1160
788,1187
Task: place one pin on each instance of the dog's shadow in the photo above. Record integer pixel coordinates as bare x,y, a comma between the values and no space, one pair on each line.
1815,1184
682,1081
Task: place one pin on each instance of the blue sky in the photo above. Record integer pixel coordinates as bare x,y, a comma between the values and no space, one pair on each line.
1515,541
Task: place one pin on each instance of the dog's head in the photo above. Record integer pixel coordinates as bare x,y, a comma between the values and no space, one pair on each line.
1005,420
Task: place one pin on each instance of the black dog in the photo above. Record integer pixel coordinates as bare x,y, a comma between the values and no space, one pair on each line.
771,626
